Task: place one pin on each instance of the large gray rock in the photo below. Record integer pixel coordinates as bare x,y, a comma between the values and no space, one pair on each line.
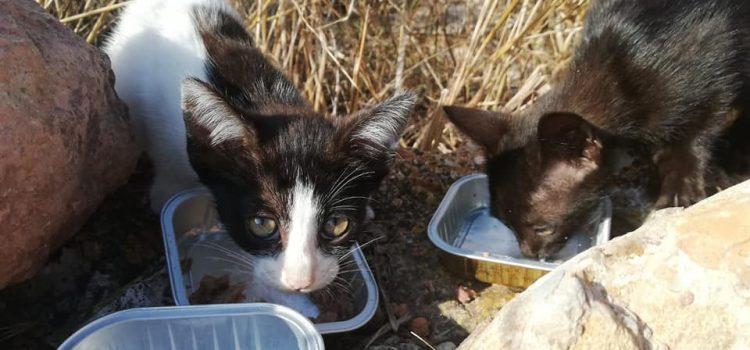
65,142
682,281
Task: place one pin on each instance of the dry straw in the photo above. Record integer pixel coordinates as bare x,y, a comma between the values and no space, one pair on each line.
345,55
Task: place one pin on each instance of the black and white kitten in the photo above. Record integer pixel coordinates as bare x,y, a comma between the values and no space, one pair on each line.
290,184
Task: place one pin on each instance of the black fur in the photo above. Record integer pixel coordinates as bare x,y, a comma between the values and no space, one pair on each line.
666,74
283,140
657,70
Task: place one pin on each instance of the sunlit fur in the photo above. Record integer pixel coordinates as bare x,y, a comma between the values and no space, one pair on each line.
662,74
209,107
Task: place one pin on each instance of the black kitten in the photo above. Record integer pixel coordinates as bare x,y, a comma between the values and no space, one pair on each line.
663,73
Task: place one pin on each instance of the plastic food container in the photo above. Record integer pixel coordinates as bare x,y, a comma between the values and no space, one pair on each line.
477,245
230,326
190,223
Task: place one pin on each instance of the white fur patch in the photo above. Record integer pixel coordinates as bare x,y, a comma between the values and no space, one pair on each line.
153,47
299,261
237,260
301,266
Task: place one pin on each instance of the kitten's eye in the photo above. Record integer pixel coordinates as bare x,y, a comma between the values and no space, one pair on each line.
336,226
544,230
262,227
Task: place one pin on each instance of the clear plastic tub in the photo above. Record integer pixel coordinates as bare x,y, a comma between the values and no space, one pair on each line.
190,224
234,326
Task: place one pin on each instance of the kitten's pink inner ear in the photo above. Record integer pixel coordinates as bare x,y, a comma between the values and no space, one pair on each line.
484,127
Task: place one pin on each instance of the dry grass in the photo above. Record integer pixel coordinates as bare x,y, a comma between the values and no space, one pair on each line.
347,54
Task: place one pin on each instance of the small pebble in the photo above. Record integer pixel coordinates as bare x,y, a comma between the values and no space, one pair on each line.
401,309
398,202
420,326
445,346
687,298
392,340
409,346
382,347
465,294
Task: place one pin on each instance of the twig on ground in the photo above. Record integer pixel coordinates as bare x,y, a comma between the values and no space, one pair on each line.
385,328
422,340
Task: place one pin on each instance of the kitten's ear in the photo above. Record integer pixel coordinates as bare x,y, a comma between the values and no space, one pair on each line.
484,127
375,132
217,136
569,136
209,120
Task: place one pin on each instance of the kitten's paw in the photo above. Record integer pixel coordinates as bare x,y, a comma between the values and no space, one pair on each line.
678,190
681,171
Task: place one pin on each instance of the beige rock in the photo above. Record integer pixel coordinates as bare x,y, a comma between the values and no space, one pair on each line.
65,137
682,281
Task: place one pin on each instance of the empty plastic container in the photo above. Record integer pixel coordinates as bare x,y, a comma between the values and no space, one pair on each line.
233,326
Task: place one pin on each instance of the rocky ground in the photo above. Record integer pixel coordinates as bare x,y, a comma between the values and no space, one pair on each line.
119,242
66,139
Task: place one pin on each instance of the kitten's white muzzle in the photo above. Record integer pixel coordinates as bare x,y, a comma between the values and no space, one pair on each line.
297,274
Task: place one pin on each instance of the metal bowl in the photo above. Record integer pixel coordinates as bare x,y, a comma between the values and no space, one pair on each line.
477,245
193,209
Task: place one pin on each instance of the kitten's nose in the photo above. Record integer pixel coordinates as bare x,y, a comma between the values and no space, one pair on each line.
299,283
